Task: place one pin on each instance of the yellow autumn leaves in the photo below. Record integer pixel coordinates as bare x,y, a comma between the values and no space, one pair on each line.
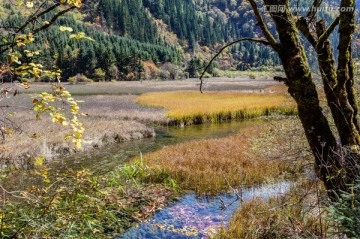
30,4
47,102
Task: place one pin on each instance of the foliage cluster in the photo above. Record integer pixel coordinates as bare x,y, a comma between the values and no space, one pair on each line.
79,204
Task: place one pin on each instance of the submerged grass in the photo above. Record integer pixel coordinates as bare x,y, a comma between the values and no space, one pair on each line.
215,165
194,107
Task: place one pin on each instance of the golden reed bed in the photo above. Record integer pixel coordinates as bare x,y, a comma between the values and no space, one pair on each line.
193,107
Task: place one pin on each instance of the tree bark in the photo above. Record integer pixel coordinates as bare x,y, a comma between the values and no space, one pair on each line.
343,113
349,133
302,88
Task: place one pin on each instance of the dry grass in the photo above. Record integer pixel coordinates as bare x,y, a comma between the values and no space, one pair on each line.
297,214
111,119
121,107
136,87
194,107
210,166
23,148
277,88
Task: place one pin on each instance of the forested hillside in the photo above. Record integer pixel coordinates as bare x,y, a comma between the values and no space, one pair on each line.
142,39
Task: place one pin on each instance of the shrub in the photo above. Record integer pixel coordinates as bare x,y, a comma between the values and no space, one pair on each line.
113,72
217,73
252,76
346,210
151,70
163,75
173,70
79,78
207,75
99,74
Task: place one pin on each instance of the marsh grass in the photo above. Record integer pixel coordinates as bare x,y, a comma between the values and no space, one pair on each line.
296,214
196,108
213,166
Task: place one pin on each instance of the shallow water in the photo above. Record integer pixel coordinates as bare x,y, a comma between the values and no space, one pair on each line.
106,159
202,214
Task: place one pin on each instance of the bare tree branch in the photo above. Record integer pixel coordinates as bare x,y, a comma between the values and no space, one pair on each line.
303,25
327,33
262,25
52,21
313,11
34,19
263,41
37,16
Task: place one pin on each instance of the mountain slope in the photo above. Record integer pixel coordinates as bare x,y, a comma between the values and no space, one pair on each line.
130,32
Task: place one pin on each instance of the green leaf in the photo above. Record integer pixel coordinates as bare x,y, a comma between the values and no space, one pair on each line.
19,3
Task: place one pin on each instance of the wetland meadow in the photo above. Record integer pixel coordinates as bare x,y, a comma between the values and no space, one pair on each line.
162,160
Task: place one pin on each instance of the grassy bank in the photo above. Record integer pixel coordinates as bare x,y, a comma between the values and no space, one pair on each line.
215,165
195,108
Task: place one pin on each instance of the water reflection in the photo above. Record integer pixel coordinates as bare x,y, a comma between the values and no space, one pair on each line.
202,214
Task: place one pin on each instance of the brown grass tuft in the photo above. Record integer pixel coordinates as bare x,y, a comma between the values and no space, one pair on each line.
210,166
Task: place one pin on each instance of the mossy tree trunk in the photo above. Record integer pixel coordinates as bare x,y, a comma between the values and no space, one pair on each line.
333,166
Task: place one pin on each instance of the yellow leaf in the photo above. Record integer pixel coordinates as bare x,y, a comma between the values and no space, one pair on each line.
78,3
30,4
20,44
63,29
25,85
39,161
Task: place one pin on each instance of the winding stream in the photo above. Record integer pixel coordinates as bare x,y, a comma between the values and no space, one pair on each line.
203,214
